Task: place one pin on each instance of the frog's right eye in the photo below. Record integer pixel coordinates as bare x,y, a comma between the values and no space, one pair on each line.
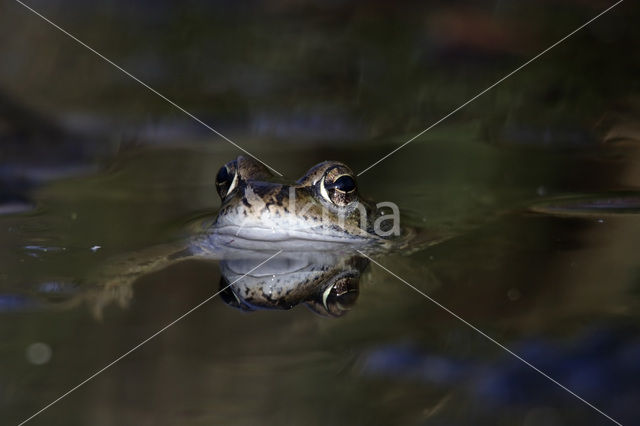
226,180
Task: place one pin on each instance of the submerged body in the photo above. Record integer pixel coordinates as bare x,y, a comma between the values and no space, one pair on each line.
316,224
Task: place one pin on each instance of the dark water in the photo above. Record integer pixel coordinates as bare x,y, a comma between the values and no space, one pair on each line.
539,179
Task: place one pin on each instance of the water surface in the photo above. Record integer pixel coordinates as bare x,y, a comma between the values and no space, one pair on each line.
538,181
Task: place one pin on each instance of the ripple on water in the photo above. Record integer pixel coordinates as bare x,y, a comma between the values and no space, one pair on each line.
591,205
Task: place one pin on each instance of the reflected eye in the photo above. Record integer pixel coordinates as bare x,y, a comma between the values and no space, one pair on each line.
226,180
231,298
341,296
338,187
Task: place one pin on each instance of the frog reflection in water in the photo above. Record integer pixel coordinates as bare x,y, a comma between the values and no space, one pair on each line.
317,223
326,282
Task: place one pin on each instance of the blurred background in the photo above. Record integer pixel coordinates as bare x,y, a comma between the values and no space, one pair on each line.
94,165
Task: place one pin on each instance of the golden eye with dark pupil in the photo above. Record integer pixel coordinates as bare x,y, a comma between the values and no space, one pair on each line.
338,188
344,184
341,296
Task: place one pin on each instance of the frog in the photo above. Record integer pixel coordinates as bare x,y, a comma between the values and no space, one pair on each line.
319,227
323,209
324,281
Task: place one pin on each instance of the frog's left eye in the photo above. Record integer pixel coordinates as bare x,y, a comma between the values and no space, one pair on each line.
339,187
341,295
345,183
226,180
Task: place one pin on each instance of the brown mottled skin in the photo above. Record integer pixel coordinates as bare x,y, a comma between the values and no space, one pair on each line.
316,221
256,208
326,282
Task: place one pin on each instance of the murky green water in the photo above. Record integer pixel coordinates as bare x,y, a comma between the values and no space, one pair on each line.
538,180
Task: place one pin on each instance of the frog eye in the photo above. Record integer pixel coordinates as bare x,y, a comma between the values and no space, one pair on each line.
231,298
341,296
345,184
226,180
338,187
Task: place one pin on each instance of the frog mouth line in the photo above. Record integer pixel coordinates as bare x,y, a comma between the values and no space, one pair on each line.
253,237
